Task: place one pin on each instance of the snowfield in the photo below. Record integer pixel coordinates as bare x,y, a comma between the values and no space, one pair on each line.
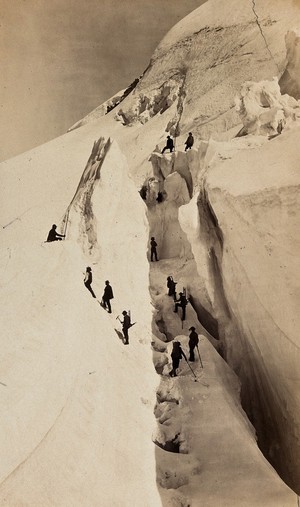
87,421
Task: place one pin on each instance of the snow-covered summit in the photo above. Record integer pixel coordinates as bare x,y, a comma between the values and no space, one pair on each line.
200,65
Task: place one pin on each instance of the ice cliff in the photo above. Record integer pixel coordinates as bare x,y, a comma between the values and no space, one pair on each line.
87,421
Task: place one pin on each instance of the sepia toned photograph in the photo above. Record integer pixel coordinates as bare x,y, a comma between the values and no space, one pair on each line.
149,253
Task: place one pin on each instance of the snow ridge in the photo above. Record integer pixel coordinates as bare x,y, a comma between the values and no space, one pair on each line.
81,204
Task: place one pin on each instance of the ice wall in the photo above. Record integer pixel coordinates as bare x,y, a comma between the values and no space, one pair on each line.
289,82
248,227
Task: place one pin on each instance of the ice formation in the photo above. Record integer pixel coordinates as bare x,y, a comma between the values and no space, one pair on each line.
263,110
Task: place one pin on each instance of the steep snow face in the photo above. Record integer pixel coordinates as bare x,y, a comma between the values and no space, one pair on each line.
76,414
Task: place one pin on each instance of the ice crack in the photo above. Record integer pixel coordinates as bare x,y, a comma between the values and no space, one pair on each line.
262,34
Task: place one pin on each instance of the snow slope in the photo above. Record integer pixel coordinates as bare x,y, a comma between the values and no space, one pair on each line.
70,394
79,407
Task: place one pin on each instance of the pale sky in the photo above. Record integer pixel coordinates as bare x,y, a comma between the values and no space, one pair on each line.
62,58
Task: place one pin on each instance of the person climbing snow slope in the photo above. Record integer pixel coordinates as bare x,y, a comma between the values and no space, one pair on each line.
176,354
169,145
107,296
88,280
182,303
126,324
189,142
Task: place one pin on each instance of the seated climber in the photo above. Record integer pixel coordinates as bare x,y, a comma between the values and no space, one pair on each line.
53,235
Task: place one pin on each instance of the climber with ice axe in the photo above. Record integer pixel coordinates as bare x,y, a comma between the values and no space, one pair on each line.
126,324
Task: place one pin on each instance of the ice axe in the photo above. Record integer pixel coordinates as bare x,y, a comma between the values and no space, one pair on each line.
199,356
191,369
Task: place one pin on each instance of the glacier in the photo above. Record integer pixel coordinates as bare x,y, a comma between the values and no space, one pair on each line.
87,421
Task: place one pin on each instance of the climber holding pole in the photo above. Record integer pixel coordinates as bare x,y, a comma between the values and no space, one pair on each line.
126,324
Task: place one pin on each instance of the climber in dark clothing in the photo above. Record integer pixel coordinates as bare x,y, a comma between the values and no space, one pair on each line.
189,142
171,286
88,280
181,302
193,342
153,245
176,354
169,145
126,324
107,296
53,235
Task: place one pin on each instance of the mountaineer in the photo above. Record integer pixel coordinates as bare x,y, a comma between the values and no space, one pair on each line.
153,245
176,354
53,235
107,296
126,324
193,342
169,145
182,303
88,280
171,286
189,142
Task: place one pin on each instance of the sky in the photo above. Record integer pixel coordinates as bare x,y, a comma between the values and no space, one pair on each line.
62,58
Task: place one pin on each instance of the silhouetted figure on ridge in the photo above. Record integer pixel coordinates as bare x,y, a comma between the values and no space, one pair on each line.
193,342
189,142
169,145
176,354
182,303
88,280
153,251
107,296
53,235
